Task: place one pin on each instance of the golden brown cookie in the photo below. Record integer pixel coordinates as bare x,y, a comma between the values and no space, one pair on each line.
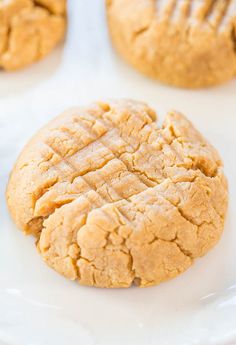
113,198
185,43
29,30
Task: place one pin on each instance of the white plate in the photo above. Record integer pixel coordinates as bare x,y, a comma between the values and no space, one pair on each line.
37,306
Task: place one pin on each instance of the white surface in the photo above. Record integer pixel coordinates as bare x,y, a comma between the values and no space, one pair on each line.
37,306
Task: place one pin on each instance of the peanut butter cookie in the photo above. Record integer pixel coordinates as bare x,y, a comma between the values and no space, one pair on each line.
29,30
185,43
114,199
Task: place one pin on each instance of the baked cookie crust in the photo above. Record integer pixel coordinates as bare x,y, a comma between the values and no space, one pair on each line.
113,198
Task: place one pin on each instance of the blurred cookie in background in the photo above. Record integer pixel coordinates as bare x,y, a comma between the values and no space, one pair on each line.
29,30
185,43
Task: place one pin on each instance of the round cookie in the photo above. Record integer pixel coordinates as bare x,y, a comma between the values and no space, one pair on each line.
29,30
113,198
185,43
